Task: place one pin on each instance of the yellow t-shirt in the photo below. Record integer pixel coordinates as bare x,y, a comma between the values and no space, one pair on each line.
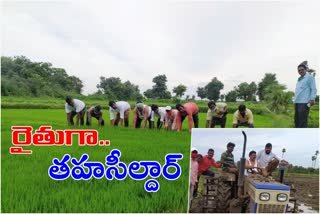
248,117
218,111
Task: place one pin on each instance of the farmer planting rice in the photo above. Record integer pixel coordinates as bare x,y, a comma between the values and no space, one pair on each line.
188,109
243,117
75,107
143,113
160,112
95,111
217,114
171,118
122,110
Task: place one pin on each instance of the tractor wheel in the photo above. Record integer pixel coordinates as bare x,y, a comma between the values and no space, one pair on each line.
224,197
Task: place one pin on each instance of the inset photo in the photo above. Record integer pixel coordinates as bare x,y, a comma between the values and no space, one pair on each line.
254,171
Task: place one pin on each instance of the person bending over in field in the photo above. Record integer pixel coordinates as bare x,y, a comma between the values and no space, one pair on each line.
217,114
122,110
268,160
95,111
171,118
188,109
204,167
75,107
227,159
243,117
160,112
143,113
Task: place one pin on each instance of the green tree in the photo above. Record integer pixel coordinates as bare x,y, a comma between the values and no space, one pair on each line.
202,93
159,89
179,90
232,96
247,91
22,77
213,89
113,88
278,99
268,80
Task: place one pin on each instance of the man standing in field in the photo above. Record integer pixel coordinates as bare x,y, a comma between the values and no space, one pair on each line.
75,107
243,117
194,173
305,95
217,114
122,108
160,112
171,118
227,159
143,113
188,109
268,160
95,111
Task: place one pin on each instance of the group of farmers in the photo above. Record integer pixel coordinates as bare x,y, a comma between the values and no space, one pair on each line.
172,118
168,117
265,162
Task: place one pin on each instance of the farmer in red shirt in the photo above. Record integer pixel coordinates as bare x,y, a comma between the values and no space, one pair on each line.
204,167
188,109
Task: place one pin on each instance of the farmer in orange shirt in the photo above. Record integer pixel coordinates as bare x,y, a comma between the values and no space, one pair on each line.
204,167
188,109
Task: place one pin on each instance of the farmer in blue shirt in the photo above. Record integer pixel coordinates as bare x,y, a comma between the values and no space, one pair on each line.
305,95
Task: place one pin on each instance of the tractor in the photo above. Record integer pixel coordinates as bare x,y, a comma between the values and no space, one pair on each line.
228,192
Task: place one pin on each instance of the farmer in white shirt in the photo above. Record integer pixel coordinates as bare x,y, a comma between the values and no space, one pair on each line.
160,112
268,160
122,108
143,113
171,118
75,107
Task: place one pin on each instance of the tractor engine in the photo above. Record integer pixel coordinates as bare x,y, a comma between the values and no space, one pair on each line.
266,195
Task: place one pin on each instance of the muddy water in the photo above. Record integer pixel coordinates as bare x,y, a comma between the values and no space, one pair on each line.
303,208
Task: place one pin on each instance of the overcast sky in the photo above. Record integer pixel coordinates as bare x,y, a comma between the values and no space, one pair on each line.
300,144
189,41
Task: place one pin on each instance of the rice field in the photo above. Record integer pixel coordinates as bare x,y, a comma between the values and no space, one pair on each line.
26,186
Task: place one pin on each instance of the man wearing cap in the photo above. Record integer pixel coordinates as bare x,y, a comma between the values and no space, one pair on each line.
243,117
122,109
217,114
143,113
268,160
227,159
75,107
160,112
171,118
304,98
191,110
95,111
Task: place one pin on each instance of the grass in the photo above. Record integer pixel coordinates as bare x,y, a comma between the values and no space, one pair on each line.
262,116
26,186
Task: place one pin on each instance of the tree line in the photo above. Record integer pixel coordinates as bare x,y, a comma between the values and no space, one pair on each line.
22,77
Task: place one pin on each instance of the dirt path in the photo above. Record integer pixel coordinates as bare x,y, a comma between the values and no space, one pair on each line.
307,190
